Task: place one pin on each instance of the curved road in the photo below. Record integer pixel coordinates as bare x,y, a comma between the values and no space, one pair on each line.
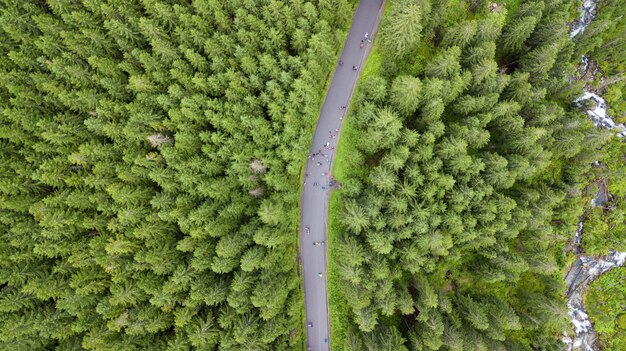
314,202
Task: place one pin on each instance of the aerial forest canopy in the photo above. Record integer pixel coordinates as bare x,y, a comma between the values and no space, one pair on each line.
151,152
464,167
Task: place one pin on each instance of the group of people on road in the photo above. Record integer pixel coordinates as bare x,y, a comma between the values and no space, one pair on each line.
307,230
322,157
327,157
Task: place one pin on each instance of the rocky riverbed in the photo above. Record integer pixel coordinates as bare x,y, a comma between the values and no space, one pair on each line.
587,268
587,14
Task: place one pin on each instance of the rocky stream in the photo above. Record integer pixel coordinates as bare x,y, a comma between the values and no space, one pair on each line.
587,268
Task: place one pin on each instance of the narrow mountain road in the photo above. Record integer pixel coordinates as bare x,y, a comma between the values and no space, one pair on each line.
315,193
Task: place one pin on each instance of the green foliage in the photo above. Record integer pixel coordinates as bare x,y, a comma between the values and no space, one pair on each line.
606,304
151,154
604,224
516,33
402,30
406,94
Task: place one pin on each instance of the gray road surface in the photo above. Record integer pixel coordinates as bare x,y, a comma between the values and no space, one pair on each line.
314,205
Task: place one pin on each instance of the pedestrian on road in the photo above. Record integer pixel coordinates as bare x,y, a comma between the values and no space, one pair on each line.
307,229
337,130
340,63
366,35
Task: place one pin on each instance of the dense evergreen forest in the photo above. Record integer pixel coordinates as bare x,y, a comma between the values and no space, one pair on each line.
463,168
606,303
151,154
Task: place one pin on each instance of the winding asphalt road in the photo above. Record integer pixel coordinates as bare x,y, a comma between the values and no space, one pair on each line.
315,193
